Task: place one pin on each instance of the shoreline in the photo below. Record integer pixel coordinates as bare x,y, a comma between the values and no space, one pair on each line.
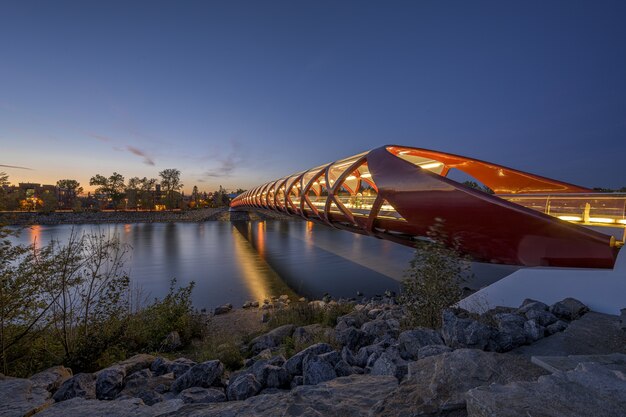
111,217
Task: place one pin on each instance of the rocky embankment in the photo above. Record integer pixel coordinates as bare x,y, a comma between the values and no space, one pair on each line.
475,366
107,217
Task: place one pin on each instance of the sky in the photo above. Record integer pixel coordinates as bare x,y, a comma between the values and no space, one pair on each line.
237,93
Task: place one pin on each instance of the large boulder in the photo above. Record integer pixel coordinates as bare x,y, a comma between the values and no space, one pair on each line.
130,407
196,395
432,350
204,374
275,376
591,389
52,378
109,382
534,330
351,396
294,364
242,387
411,341
461,332
353,338
135,363
437,385
390,363
569,309
80,385
271,339
21,397
379,329
143,384
541,317
316,369
161,366
510,332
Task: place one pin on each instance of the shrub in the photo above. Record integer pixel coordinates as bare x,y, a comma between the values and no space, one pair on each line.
303,314
433,281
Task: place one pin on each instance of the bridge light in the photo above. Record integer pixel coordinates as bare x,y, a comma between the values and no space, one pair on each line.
601,220
571,218
431,165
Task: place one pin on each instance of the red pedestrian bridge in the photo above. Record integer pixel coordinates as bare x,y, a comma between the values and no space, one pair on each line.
398,193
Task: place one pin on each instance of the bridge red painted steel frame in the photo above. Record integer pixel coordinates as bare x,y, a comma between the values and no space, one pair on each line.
489,229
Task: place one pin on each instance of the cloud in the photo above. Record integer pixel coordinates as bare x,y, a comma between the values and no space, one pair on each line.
100,138
15,167
227,164
135,151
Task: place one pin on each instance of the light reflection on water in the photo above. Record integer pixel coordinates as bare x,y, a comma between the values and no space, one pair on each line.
232,262
238,261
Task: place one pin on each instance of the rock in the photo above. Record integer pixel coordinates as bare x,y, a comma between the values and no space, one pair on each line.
133,407
569,309
390,363
373,313
297,381
149,397
529,304
350,396
80,385
353,338
135,363
265,317
432,350
315,370
556,327
271,339
22,397
510,334
284,298
464,332
52,378
306,335
342,368
348,356
365,353
534,330
294,364
244,386
196,395
223,309
589,390
142,384
203,374
109,382
622,319
436,385
410,341
162,366
541,317
378,329
275,377
171,342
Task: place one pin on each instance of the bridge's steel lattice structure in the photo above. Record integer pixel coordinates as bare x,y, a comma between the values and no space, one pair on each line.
398,193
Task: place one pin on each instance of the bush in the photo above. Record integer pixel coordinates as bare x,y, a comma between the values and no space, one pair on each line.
433,281
303,314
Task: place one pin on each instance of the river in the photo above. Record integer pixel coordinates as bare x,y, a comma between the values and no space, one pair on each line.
232,262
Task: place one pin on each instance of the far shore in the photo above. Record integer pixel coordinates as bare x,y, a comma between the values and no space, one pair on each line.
104,217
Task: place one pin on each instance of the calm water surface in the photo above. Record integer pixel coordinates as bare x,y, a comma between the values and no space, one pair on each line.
232,262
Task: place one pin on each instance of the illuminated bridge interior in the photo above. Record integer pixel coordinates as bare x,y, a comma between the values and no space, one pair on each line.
397,193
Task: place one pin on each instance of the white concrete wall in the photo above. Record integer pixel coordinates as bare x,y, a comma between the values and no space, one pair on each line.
600,289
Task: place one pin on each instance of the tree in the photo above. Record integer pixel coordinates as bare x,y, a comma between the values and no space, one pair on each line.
433,281
132,192
4,182
48,202
147,192
170,184
113,187
69,190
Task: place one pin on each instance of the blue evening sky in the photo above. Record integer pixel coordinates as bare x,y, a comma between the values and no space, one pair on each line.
236,93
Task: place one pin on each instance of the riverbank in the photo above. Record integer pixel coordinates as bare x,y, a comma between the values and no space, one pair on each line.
361,364
109,217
